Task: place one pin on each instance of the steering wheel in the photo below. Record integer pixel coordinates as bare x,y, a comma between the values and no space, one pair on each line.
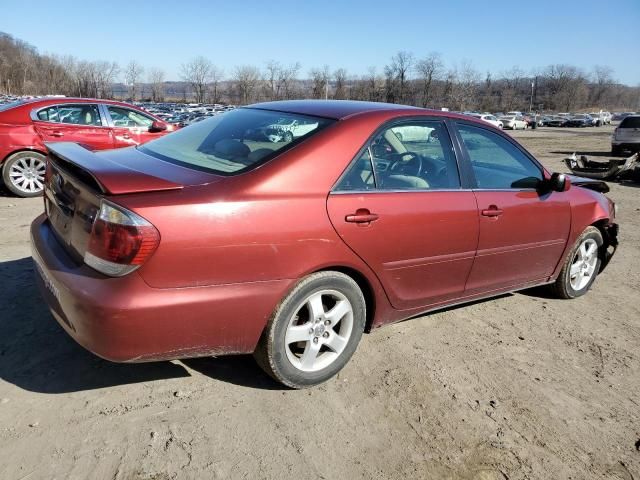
407,166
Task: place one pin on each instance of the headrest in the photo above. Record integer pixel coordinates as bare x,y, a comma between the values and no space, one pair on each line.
230,149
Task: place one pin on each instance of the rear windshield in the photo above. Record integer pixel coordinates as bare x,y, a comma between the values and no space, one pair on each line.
235,141
630,122
7,106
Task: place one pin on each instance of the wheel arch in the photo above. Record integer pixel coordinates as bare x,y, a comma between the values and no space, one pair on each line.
20,150
365,286
609,234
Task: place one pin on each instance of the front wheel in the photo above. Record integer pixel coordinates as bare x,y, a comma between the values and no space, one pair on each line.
581,266
23,173
314,331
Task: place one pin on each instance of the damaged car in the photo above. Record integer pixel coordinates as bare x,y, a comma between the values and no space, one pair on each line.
207,242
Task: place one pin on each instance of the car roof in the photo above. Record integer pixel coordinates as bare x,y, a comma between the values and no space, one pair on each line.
57,100
335,109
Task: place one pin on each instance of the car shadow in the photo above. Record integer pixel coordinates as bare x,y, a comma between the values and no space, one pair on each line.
37,355
236,369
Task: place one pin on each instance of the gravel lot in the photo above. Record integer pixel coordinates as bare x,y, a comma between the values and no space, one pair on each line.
520,387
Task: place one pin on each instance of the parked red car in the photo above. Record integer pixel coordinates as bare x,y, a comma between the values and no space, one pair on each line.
216,241
26,125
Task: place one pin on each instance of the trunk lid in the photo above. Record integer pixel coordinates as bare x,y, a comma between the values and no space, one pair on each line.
77,179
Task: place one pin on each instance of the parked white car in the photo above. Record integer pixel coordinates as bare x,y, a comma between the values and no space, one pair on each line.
514,122
413,133
492,119
286,130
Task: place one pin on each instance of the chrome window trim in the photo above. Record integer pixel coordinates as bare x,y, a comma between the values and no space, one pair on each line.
431,190
34,114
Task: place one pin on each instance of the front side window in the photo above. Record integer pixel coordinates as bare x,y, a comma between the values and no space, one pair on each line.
124,117
83,114
496,162
235,141
409,156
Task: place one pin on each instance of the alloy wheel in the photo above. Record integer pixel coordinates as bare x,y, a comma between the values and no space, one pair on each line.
27,174
319,330
584,264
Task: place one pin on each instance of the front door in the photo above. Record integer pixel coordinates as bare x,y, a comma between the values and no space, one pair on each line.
523,231
130,127
400,208
80,123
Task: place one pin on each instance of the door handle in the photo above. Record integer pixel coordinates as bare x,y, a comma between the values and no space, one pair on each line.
126,136
362,215
56,133
492,211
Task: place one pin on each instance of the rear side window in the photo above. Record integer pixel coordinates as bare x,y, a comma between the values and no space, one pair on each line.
235,141
83,114
496,162
630,122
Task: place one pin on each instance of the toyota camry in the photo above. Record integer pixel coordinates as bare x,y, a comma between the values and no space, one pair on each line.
214,241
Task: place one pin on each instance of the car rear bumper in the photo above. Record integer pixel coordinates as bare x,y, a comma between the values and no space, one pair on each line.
126,320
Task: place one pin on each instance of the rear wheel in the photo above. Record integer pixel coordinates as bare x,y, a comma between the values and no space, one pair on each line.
23,173
314,331
581,266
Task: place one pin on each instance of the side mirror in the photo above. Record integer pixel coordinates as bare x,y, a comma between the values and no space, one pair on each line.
559,182
157,127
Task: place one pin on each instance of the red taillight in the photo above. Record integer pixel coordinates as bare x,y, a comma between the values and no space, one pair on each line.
120,241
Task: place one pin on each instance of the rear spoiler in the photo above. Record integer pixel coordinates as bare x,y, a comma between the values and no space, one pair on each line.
112,178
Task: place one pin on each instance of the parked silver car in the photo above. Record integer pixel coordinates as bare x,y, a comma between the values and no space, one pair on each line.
626,136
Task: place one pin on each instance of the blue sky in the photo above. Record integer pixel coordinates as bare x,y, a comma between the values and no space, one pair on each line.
493,35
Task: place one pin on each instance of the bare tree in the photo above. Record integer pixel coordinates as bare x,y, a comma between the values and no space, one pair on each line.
287,79
197,73
215,77
430,69
132,74
246,79
340,79
397,76
273,73
602,79
156,80
320,79
510,93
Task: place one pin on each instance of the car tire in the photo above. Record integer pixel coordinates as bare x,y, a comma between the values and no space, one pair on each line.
26,165
581,266
288,137
307,341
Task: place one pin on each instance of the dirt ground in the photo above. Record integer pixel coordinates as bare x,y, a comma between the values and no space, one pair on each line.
520,387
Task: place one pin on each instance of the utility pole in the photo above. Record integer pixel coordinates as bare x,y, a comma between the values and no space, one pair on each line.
531,98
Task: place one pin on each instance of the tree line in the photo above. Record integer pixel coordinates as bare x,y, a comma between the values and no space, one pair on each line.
425,81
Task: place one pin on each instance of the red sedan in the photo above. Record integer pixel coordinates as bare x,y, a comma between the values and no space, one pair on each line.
26,125
219,240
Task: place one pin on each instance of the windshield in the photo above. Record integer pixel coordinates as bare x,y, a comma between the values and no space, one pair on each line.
235,141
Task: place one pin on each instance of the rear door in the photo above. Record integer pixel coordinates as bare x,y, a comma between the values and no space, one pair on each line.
523,232
401,208
79,123
130,127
